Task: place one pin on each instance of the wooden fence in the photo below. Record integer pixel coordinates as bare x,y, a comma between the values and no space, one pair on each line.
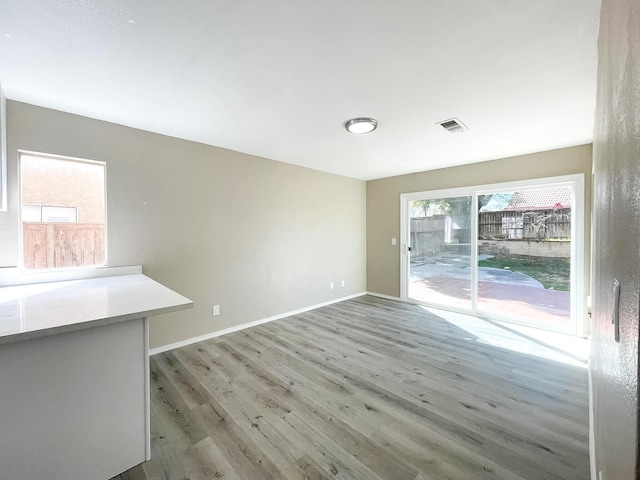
427,235
54,245
525,225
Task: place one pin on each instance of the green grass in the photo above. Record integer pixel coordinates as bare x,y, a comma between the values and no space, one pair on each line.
553,273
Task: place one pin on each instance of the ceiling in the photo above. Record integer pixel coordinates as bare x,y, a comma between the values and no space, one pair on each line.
279,78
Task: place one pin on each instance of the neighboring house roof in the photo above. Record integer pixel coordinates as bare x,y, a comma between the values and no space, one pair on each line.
538,199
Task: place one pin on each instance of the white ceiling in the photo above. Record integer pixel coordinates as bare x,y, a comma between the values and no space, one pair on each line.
279,78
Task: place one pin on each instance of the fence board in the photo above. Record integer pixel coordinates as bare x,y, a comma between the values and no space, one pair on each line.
55,245
35,247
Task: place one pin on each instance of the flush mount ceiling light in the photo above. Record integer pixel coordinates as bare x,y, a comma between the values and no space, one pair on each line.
361,125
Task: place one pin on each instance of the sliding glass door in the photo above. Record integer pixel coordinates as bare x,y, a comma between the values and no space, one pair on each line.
509,252
524,255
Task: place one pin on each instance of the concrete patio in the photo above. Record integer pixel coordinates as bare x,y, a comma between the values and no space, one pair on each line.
445,278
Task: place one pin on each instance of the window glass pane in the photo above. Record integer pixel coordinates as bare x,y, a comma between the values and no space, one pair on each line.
59,214
31,213
524,255
440,261
63,212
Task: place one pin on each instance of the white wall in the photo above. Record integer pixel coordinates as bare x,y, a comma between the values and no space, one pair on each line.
256,236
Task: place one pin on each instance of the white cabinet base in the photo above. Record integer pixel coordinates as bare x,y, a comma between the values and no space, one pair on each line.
75,406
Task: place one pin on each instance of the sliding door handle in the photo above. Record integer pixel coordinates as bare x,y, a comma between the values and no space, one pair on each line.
616,309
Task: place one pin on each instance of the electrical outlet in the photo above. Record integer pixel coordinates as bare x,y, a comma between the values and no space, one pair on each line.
216,310
331,285
342,283
394,241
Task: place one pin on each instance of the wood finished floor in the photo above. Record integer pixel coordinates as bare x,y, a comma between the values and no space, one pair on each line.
366,389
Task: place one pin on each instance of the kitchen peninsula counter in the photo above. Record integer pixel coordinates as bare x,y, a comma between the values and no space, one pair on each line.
74,375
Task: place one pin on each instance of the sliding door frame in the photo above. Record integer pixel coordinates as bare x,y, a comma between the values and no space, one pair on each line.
578,299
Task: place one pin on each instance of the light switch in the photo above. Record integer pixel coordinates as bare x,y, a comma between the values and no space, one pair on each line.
394,241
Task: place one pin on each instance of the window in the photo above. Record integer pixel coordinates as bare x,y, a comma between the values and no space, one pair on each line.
47,213
63,212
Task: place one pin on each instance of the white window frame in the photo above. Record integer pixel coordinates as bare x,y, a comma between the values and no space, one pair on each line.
3,151
578,299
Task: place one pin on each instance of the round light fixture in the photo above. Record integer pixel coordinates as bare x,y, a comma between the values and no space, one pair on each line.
361,125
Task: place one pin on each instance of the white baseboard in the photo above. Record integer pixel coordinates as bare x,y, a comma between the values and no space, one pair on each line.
382,295
219,333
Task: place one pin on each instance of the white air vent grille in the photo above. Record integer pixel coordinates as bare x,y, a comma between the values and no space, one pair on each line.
453,125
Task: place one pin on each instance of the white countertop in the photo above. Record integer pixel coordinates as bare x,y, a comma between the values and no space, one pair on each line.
32,311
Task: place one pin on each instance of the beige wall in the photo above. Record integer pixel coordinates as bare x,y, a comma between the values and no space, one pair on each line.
383,202
616,160
256,236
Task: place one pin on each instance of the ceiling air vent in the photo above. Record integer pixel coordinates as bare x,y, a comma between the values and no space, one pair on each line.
453,125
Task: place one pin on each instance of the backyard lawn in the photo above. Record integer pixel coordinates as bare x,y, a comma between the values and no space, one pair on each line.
553,273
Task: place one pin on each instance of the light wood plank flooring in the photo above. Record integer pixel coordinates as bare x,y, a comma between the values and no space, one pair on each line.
367,389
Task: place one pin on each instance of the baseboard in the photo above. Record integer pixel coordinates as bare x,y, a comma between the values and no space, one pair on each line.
219,333
382,295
